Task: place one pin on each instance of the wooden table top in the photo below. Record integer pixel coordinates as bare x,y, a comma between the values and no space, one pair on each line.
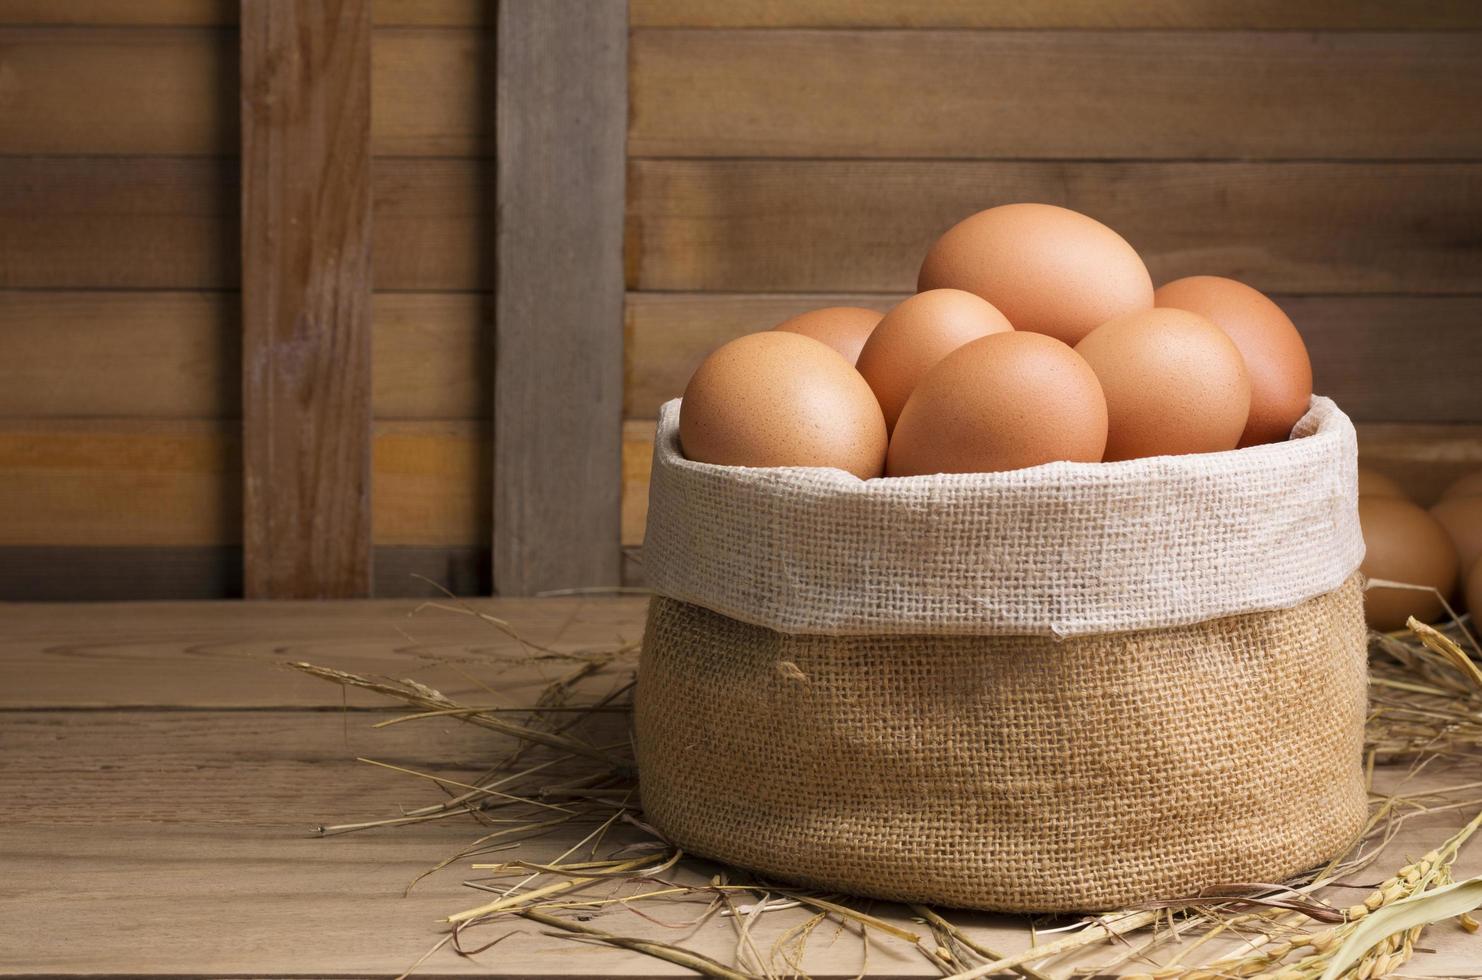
161,772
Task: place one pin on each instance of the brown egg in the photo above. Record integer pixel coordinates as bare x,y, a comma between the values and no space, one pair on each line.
1280,370
1462,519
844,328
1469,485
1474,594
1001,402
1174,384
1372,483
1048,269
1404,544
781,399
917,334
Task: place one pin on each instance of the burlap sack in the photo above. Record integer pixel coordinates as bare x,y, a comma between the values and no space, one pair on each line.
1004,761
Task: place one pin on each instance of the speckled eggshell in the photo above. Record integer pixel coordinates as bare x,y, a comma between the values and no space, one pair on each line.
844,328
1469,485
1174,384
1002,402
1404,544
1462,519
781,399
918,333
1280,369
1048,269
1372,483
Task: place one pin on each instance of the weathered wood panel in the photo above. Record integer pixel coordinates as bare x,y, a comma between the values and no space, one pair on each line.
825,225
107,354
165,92
1384,358
1185,14
212,13
306,292
562,111
79,573
997,94
136,483
171,223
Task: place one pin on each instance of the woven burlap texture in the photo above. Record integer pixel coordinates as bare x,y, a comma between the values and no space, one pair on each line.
1065,549
1010,773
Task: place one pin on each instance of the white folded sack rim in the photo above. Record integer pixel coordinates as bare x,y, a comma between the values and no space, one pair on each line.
1063,549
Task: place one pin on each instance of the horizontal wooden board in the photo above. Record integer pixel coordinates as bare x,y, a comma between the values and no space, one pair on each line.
999,94
857,225
230,654
171,223
1424,459
212,13
1186,14
196,798
178,483
174,92
108,354
1383,358
73,574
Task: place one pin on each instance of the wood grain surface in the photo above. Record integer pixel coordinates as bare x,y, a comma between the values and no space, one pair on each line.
140,483
1065,94
306,290
53,573
173,92
1135,14
562,112
164,772
172,223
857,225
211,13
178,355
1189,14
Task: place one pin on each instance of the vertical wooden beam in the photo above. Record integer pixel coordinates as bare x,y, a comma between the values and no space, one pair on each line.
306,290
561,122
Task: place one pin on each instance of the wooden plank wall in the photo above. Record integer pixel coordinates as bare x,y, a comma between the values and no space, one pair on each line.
120,454
791,155
782,156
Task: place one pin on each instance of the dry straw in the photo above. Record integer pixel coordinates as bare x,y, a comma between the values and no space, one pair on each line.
568,764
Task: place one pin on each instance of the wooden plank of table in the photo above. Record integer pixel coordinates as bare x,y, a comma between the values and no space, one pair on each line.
173,92
214,13
864,225
306,337
164,355
208,815
1377,356
562,113
973,94
139,482
172,223
1129,14
230,655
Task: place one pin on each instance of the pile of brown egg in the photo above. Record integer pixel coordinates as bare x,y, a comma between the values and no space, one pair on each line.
1036,335
1432,552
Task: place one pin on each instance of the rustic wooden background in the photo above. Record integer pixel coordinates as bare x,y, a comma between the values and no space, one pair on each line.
781,155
